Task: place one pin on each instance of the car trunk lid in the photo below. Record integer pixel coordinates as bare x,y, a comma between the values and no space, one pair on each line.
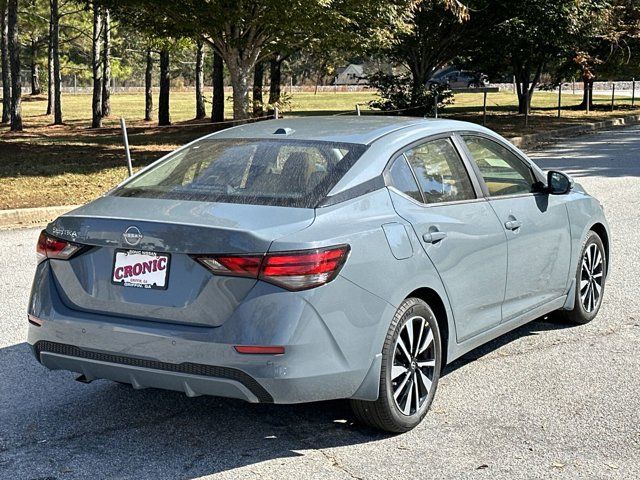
175,228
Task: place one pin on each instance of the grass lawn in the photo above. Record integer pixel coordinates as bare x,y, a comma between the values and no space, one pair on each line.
72,164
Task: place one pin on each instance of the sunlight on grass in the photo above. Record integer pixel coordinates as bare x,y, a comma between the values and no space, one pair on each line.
71,163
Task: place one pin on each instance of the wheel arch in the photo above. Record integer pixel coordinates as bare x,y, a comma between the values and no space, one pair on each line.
601,230
433,299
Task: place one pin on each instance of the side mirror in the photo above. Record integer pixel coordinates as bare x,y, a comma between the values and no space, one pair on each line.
558,183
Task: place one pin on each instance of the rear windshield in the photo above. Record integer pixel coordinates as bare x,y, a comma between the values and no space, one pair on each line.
290,173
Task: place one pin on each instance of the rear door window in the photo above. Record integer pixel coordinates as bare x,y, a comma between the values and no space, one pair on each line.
264,172
440,172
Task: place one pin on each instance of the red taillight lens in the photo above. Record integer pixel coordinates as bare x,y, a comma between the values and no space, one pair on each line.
51,247
297,270
241,265
305,269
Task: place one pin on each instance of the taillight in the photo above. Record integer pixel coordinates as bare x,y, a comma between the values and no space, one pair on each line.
51,247
298,270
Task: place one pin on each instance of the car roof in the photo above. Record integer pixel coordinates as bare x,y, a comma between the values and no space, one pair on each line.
364,129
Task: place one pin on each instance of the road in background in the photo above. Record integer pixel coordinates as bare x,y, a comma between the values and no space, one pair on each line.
547,400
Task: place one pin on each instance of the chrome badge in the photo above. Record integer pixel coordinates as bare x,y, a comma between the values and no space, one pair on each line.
132,236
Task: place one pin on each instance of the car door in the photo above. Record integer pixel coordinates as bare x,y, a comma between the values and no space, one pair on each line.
431,188
536,225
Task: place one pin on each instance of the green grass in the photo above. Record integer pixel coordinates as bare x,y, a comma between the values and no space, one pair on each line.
69,164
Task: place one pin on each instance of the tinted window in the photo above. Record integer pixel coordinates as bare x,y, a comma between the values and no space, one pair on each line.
440,172
402,178
503,172
265,172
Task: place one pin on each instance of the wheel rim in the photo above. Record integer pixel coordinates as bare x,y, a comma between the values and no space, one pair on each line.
414,364
591,278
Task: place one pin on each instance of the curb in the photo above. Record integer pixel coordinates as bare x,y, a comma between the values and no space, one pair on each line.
31,217
536,139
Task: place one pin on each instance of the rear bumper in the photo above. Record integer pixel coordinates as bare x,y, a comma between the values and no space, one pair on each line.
331,348
191,378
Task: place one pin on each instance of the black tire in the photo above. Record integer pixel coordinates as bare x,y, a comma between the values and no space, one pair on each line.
385,413
581,313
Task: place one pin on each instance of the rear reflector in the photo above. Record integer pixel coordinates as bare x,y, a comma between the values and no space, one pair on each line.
51,247
34,321
259,350
297,270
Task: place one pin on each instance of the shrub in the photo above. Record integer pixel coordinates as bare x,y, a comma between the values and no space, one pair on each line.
397,93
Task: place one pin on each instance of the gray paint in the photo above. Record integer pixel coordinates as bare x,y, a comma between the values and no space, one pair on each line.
489,282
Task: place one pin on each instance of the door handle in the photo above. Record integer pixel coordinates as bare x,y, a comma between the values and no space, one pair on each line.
434,237
512,224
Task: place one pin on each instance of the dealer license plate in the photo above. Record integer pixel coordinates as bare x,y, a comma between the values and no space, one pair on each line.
135,268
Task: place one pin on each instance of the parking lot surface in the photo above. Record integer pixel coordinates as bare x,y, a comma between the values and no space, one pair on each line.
545,401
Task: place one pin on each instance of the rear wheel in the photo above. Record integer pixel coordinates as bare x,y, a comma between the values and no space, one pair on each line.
411,362
590,279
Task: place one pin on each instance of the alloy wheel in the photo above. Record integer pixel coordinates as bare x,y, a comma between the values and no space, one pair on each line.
591,278
413,366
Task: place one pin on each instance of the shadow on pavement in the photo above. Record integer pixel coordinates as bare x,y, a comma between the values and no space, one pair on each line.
53,427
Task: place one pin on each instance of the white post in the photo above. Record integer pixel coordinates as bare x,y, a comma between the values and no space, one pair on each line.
276,114
358,109
125,137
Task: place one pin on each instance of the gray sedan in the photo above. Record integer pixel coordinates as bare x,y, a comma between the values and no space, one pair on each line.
310,259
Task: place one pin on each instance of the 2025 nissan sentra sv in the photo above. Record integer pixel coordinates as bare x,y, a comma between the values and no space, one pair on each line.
301,260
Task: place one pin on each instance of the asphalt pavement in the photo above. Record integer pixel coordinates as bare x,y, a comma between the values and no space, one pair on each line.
545,401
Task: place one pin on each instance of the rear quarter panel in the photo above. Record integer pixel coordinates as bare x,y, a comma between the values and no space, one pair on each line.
371,266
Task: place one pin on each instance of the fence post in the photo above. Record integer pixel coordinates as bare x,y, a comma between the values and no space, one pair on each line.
484,108
435,106
75,84
633,92
559,99
358,109
125,138
613,95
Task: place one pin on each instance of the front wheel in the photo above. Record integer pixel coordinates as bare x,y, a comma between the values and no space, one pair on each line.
411,362
590,279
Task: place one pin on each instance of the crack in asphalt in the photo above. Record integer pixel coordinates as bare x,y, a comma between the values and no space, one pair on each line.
336,464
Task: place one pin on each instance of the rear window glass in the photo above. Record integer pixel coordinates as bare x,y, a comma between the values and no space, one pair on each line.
291,173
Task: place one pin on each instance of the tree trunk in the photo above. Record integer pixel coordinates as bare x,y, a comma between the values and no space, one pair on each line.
165,84
106,63
96,101
4,64
239,71
35,70
522,87
275,79
217,109
55,53
200,109
14,58
418,80
50,73
587,93
258,83
148,86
